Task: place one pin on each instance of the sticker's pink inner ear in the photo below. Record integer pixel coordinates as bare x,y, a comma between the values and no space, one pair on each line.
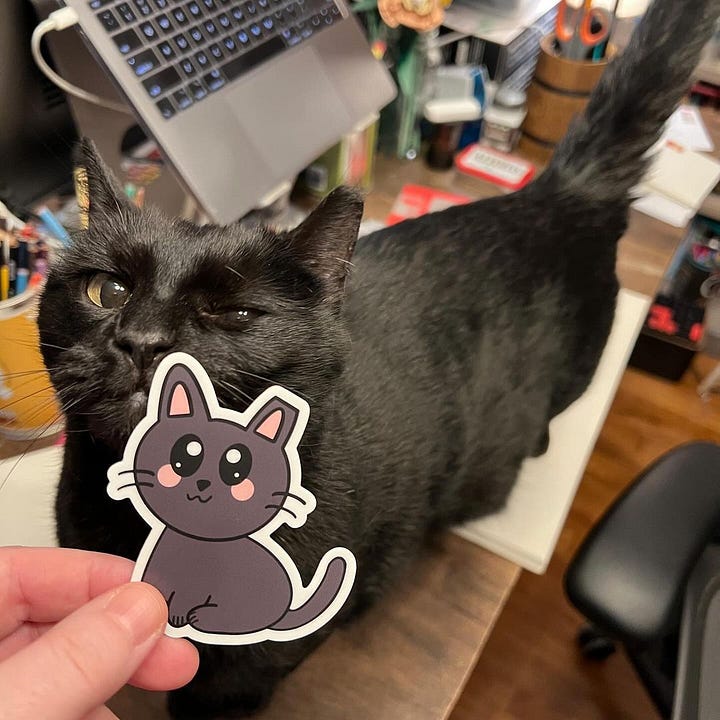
179,402
271,425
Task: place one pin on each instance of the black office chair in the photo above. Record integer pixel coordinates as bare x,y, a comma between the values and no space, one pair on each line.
648,576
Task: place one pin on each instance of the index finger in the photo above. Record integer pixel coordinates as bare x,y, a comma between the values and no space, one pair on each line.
46,584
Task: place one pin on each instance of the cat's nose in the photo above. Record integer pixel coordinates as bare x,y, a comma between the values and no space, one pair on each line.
143,347
203,485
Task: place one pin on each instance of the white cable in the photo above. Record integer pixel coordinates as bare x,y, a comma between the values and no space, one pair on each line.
60,20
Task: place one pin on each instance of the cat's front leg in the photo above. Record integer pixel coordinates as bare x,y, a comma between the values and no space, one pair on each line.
206,616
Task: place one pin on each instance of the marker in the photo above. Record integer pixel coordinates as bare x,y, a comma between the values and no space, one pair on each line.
5,269
12,265
22,274
54,226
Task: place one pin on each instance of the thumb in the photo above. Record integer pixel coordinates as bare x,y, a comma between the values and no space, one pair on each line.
78,664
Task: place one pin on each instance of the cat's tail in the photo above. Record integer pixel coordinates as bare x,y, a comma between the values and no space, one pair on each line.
331,589
602,155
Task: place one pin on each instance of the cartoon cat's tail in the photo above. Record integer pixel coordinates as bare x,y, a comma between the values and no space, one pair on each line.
602,155
326,599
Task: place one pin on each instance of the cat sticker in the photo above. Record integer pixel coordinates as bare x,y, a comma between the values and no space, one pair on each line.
213,485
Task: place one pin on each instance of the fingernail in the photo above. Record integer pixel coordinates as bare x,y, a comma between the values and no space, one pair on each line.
140,609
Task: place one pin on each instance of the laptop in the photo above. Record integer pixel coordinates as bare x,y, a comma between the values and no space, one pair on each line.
240,96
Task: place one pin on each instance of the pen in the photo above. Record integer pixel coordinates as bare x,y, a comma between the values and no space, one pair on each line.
12,267
23,268
54,226
5,268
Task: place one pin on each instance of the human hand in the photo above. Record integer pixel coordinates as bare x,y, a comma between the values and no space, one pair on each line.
73,631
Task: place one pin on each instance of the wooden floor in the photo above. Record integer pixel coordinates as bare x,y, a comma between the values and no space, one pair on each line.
530,668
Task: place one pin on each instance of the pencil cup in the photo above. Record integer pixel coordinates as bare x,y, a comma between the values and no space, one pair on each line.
560,90
28,408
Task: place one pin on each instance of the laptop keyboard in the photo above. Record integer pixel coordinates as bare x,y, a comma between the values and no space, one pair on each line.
183,51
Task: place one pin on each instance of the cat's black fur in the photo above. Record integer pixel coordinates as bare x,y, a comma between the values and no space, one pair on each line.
430,377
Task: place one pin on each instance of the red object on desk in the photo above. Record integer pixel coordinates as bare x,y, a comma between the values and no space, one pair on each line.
508,171
416,200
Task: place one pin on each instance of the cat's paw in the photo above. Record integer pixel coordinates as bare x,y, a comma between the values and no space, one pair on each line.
177,620
200,616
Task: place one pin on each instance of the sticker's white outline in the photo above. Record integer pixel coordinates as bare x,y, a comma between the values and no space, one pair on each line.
300,593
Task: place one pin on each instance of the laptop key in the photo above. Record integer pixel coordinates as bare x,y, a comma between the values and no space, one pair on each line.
108,20
148,30
187,67
209,4
230,45
143,7
126,12
166,49
237,14
181,42
197,35
255,30
97,4
243,38
223,20
214,80
161,4
143,63
182,99
161,81
166,108
164,23
180,16
194,10
127,41
197,90
210,28
202,59
216,51
259,54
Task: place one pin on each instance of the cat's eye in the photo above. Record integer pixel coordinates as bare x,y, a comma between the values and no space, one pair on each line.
235,319
235,464
107,291
187,455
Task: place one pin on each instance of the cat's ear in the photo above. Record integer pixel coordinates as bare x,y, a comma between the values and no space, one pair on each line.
181,395
275,421
99,193
325,240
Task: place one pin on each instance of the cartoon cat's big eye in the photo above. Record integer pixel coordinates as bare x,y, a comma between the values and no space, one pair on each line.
235,464
107,291
186,455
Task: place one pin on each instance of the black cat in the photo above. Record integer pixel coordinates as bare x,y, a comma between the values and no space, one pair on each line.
430,377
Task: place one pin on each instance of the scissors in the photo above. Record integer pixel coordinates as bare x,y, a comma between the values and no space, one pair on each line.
579,29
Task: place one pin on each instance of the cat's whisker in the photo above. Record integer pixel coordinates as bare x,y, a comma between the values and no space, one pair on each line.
135,484
282,507
138,471
50,345
291,495
22,373
235,272
29,395
40,433
272,382
231,388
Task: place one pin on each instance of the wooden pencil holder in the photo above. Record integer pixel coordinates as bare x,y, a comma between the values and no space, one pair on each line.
560,89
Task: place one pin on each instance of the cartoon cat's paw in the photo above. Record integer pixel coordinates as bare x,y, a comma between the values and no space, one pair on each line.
177,620
201,616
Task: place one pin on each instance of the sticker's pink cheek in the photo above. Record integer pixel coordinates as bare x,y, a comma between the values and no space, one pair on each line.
244,490
167,477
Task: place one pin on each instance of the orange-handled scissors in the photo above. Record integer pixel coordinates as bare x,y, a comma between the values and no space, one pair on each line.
578,29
